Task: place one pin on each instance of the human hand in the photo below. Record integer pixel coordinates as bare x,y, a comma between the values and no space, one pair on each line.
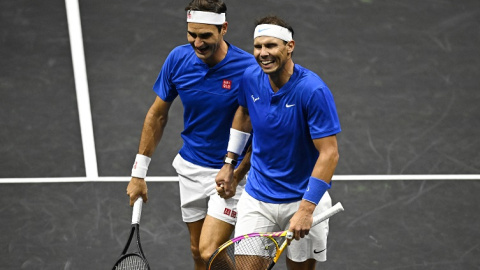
225,185
136,188
301,223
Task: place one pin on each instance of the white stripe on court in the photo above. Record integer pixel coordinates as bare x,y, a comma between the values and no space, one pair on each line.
81,86
397,177
375,177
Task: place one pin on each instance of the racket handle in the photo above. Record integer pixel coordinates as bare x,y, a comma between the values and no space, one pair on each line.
327,213
137,211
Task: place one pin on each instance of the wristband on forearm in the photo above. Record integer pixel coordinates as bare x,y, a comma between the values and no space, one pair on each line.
237,142
315,190
140,167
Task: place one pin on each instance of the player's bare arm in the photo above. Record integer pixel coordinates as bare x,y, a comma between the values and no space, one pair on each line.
324,169
243,167
328,159
153,127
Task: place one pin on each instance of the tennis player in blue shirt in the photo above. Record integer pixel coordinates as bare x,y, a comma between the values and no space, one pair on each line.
294,121
206,75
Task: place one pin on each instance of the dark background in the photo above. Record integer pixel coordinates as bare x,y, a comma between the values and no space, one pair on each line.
404,75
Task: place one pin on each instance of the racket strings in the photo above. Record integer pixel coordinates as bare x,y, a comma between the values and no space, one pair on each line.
132,262
250,253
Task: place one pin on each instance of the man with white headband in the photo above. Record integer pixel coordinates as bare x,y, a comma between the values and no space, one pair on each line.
205,74
294,150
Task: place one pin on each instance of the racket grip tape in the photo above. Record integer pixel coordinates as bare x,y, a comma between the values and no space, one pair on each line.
338,207
137,211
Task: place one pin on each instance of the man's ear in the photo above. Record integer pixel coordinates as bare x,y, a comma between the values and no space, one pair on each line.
224,28
291,46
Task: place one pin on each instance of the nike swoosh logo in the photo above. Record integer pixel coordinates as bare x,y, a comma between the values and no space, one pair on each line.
316,252
261,30
289,105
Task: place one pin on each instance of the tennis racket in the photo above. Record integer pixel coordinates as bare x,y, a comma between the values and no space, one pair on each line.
258,251
134,260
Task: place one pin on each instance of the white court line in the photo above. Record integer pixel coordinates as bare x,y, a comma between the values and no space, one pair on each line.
81,86
375,177
112,179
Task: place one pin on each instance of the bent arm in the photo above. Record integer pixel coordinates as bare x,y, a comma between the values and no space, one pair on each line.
244,166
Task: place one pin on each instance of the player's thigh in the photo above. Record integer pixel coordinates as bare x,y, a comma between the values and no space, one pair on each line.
195,230
214,233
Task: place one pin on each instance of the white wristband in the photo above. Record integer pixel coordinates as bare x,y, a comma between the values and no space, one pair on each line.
237,142
140,167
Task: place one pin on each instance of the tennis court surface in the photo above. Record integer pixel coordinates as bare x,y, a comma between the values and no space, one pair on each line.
76,81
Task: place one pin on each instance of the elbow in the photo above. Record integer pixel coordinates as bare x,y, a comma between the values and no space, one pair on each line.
160,119
336,157
332,158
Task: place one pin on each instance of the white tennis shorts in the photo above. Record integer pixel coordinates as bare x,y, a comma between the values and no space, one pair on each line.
198,196
258,216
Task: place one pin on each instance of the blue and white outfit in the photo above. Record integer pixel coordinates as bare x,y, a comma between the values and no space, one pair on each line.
209,98
283,154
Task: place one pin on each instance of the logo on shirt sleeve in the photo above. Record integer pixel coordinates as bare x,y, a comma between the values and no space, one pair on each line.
227,84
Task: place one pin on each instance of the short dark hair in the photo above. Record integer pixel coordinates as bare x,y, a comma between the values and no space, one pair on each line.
217,6
272,19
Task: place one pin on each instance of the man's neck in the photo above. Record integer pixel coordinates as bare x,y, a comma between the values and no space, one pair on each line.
219,55
280,78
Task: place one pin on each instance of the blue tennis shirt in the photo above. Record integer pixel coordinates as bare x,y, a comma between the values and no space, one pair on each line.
209,98
284,125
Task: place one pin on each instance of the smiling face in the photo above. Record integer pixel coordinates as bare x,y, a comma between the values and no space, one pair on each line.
206,40
272,54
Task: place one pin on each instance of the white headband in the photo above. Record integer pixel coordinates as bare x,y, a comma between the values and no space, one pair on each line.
273,30
195,16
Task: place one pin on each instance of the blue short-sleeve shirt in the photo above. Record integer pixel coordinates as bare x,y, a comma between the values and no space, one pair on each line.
284,125
209,98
